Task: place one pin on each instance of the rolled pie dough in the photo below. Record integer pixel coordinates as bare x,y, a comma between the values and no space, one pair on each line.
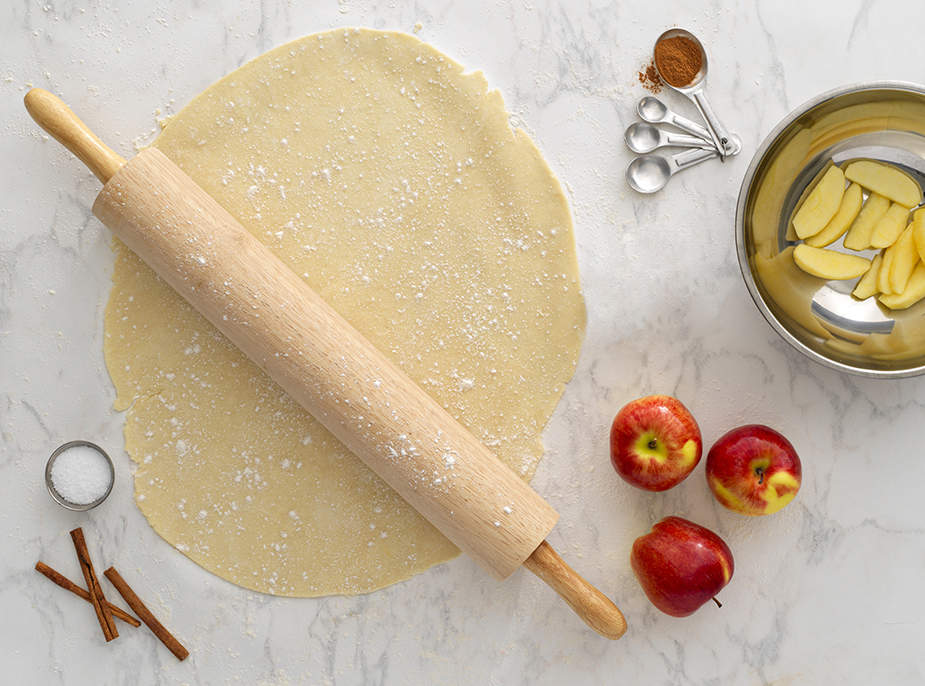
394,184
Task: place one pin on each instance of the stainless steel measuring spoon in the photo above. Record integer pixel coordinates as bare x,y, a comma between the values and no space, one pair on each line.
650,173
695,91
654,111
643,137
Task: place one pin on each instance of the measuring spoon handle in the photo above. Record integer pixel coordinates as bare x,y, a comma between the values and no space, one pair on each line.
688,125
689,158
710,116
718,132
685,141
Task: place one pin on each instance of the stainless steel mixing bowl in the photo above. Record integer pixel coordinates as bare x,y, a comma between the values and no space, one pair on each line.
876,120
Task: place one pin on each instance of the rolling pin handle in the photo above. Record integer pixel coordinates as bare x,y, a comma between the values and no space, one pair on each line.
596,609
64,126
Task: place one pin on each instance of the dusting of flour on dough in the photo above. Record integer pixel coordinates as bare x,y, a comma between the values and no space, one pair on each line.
395,186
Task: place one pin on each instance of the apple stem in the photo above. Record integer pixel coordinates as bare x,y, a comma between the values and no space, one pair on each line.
760,472
718,604
653,443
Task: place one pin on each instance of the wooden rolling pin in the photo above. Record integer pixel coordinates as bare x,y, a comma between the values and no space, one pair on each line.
324,363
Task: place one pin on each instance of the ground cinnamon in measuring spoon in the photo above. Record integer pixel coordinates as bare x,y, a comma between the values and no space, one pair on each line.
678,60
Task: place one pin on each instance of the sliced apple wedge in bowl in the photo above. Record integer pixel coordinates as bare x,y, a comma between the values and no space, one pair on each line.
829,264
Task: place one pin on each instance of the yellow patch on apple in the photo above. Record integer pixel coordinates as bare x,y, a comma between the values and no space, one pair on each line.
727,497
777,482
690,451
727,571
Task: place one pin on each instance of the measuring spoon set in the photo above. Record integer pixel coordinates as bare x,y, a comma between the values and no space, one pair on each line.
649,172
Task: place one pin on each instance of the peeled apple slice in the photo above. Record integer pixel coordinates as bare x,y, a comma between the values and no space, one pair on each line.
905,257
829,264
821,204
858,236
918,230
915,291
885,180
883,276
847,212
867,286
890,226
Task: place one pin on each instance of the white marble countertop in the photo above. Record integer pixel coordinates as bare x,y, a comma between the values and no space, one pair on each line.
827,591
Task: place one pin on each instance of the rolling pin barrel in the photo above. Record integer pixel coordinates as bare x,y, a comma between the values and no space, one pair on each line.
357,393
281,324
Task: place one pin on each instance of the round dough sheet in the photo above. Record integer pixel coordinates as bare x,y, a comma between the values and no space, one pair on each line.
393,183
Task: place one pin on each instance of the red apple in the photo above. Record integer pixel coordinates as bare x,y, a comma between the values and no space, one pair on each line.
681,565
655,443
753,470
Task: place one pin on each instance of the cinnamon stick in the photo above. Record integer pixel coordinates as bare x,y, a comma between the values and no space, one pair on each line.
144,614
93,587
69,585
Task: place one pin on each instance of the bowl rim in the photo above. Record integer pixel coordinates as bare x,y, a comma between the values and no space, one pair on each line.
742,256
